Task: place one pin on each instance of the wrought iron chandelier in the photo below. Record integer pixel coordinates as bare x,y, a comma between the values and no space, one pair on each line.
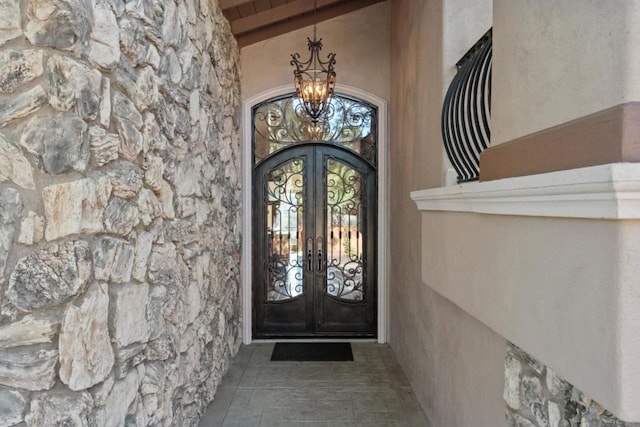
314,79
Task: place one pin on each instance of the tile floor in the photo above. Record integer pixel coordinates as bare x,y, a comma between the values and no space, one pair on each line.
370,391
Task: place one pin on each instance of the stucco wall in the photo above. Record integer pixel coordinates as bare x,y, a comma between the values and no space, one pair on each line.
551,65
454,362
360,40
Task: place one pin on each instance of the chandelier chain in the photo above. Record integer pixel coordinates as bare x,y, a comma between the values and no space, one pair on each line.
315,18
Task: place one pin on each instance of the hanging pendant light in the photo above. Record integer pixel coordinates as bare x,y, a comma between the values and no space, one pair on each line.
314,79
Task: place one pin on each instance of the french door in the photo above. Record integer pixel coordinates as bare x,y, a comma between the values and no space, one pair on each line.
314,244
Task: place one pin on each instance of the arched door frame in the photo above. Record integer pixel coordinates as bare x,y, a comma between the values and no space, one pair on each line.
383,212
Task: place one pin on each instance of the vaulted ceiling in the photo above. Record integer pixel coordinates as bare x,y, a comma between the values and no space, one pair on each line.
256,20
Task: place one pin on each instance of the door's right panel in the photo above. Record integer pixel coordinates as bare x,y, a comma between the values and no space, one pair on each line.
346,294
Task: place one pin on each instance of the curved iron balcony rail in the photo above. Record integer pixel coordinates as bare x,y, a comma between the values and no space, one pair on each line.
466,112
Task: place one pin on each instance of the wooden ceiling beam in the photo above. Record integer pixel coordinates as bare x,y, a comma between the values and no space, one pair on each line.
228,4
301,22
280,13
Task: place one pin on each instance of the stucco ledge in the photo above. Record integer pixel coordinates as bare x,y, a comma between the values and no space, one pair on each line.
610,191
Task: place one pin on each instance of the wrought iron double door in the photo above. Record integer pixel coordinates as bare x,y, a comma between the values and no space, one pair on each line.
314,244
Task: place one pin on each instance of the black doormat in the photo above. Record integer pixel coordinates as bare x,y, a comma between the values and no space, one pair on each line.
312,352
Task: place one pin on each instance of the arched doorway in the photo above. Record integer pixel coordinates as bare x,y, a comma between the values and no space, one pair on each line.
314,220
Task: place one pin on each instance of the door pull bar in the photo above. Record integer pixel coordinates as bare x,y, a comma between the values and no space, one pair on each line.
310,254
320,241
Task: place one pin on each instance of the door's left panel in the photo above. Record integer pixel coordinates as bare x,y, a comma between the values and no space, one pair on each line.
283,302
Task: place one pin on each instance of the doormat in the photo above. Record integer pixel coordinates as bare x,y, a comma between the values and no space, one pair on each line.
312,352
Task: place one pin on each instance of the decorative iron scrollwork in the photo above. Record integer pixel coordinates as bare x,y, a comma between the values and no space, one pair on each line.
345,207
284,188
282,122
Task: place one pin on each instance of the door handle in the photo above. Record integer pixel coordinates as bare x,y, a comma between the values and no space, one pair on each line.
310,254
320,242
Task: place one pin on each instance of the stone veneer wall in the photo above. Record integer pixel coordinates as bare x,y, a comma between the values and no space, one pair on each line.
119,210
537,397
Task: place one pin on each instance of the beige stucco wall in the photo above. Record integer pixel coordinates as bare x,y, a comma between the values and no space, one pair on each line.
578,316
557,61
360,40
454,362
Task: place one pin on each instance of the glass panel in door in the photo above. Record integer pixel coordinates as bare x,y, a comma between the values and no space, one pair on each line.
284,195
344,227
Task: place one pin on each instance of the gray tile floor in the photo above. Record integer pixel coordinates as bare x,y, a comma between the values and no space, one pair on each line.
370,391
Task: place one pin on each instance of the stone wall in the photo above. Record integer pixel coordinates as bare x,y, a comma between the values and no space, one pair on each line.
537,397
119,210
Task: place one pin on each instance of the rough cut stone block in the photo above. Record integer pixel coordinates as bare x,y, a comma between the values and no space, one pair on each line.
166,118
142,251
155,314
153,170
29,330
188,182
147,93
133,41
554,383
124,108
104,146
129,313
105,104
18,67
75,207
113,259
10,205
555,416
60,140
86,356
31,229
512,377
123,393
186,207
519,421
120,216
131,141
58,24
10,20
73,84
30,368
12,405
10,210
14,166
152,138
117,6
127,358
532,392
163,267
50,275
149,206
162,348
184,231
165,195
61,409
126,179
153,57
100,392
104,40
194,301
19,106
